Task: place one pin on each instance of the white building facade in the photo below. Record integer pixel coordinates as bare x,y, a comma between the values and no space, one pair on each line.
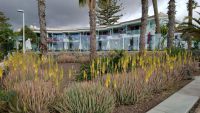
122,36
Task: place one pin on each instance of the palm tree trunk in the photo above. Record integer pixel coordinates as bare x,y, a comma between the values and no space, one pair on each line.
171,24
92,16
190,15
156,16
143,25
42,20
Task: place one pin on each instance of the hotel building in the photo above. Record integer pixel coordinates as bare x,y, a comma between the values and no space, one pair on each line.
121,36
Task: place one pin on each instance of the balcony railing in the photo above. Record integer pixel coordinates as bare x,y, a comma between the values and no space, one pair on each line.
103,42
133,32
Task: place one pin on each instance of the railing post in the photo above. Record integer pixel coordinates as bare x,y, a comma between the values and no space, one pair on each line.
123,43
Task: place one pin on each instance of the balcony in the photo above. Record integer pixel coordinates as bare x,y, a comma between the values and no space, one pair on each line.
132,32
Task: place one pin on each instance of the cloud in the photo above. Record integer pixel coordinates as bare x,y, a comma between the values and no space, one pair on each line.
67,13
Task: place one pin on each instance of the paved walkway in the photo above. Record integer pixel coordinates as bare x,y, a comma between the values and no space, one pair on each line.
182,101
1,64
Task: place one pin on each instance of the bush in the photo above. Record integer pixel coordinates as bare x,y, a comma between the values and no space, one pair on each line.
86,98
103,64
175,51
33,96
5,99
23,67
128,89
148,75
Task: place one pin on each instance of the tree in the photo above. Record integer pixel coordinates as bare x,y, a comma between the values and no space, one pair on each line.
42,20
190,6
171,24
193,29
29,34
156,16
92,16
143,25
6,35
107,12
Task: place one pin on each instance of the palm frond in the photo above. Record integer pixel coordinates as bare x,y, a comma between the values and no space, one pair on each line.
82,3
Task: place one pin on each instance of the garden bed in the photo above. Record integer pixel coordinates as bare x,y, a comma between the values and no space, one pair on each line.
150,102
119,83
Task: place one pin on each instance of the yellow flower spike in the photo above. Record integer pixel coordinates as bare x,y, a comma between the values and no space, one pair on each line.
103,68
93,64
84,74
147,77
36,71
97,73
92,70
97,61
115,84
70,73
1,72
36,78
107,61
107,83
56,69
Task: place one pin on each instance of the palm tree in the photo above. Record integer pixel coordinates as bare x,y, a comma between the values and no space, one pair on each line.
42,20
143,25
191,29
190,6
156,16
92,15
171,24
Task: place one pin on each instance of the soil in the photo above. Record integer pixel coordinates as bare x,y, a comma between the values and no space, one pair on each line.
147,104
196,108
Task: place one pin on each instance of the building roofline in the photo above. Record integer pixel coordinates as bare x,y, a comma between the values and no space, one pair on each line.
86,29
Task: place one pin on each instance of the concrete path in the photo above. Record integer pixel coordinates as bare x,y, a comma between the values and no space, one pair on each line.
182,101
1,64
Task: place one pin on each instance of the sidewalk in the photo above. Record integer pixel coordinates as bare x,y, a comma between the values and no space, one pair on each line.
1,64
182,101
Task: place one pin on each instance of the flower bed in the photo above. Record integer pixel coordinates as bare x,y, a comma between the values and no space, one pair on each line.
40,84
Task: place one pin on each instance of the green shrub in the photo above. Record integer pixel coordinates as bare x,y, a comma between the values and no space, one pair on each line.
5,98
175,51
114,58
1,56
85,98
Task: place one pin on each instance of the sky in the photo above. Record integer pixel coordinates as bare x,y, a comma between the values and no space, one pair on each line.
65,14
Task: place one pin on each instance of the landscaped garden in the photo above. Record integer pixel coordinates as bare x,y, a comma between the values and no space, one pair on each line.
118,82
